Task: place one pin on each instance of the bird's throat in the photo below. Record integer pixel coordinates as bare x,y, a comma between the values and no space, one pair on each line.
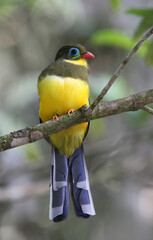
81,62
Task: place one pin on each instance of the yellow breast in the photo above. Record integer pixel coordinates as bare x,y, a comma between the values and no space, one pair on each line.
58,95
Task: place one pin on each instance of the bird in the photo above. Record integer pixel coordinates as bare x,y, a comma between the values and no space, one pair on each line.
63,88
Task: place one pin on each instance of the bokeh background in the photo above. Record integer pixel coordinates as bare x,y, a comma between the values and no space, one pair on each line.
118,149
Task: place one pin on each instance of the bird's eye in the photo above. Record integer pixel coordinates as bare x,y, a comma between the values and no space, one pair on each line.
74,52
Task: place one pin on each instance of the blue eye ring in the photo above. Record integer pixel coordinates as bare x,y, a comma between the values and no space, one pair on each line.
73,52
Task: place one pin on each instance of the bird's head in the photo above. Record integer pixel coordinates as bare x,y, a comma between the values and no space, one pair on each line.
70,52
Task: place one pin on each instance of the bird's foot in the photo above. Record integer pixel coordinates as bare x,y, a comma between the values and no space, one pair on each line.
71,111
55,117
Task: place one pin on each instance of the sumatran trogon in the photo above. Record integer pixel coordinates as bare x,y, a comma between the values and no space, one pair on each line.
63,87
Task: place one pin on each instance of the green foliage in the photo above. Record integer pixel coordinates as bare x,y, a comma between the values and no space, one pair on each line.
146,23
115,4
143,12
149,54
6,8
112,37
116,38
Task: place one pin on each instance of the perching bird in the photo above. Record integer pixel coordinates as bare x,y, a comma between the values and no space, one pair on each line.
63,87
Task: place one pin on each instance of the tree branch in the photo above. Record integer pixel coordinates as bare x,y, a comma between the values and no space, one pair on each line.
32,134
120,69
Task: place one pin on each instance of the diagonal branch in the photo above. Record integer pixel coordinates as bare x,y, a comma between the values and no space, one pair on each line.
120,68
32,134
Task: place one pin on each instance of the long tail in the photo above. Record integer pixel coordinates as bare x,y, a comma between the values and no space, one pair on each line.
81,195
59,187
75,170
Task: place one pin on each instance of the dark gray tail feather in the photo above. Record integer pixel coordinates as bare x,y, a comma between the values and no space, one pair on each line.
59,187
81,195
75,170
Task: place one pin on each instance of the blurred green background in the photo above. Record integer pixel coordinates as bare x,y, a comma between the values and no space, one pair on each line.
118,149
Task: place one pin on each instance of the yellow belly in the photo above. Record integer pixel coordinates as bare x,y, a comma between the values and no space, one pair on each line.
58,95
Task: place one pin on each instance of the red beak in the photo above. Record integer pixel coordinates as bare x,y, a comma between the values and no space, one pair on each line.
87,55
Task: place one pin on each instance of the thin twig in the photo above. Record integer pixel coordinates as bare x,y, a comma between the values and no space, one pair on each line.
148,109
120,68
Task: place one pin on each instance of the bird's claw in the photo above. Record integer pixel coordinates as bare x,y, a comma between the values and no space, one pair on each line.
70,111
55,117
